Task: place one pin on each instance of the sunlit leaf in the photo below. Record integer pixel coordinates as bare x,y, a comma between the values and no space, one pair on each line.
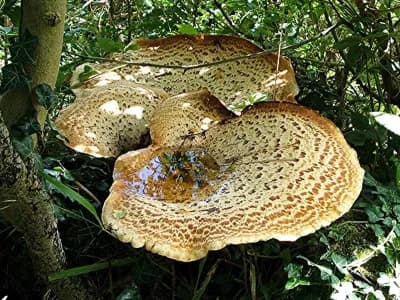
389,121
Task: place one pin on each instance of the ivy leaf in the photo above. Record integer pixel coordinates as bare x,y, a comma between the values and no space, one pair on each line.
27,126
356,138
129,294
24,146
45,95
295,282
14,76
21,52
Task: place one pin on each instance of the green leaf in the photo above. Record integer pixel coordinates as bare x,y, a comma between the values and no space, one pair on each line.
87,72
26,126
22,51
398,175
396,243
391,255
326,273
357,56
339,260
14,76
359,121
379,232
74,196
374,214
90,268
129,294
356,138
45,95
109,45
13,12
295,282
198,294
186,29
24,146
294,270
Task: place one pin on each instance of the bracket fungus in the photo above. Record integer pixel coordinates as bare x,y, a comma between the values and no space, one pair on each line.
234,80
280,170
101,123
111,119
209,178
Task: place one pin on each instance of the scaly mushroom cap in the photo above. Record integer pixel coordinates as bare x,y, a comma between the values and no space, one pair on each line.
278,171
181,117
109,120
233,81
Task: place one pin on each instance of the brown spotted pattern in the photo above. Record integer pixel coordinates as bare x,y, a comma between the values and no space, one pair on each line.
287,172
181,117
110,119
233,82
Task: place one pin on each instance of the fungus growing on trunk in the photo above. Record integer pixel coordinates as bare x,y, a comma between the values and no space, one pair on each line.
280,171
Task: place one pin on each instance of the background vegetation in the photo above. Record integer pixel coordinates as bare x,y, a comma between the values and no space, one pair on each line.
346,57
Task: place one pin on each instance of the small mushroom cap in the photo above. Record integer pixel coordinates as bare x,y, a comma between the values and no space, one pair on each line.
278,171
233,81
109,120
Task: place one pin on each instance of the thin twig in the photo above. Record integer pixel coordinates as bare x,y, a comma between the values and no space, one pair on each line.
231,59
87,191
359,262
232,26
277,63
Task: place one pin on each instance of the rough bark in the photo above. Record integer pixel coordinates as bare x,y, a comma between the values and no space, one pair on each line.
19,180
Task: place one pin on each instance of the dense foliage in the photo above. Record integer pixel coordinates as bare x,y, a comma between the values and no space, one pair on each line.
346,56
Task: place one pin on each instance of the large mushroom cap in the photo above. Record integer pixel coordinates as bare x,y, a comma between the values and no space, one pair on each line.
109,119
279,171
234,81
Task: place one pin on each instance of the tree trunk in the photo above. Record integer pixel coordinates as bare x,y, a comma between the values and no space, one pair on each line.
19,180
44,19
